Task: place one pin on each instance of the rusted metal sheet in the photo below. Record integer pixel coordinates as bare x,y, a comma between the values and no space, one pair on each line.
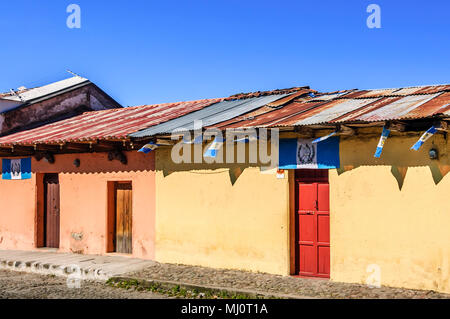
378,93
107,124
274,116
210,116
397,109
355,106
356,114
407,91
329,113
244,110
266,115
289,98
246,120
434,89
329,97
438,105
240,96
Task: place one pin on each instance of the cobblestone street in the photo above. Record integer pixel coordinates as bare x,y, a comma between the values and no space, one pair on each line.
301,287
17,285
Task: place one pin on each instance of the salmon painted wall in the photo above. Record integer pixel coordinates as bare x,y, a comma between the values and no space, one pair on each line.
83,203
404,233
203,219
17,213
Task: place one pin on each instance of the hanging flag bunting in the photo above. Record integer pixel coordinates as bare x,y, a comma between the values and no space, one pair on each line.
424,138
247,139
147,148
16,169
197,140
302,153
383,138
323,138
214,147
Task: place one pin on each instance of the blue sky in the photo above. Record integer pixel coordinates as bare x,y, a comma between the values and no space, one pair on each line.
145,52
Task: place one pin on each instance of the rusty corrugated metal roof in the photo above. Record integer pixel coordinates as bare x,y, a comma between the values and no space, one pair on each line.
355,106
107,124
210,116
262,110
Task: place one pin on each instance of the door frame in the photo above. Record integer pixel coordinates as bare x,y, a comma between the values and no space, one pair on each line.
111,246
293,231
40,216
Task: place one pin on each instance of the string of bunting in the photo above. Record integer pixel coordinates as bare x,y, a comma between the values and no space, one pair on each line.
215,146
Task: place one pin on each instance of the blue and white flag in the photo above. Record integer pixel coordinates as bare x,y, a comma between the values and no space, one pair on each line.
302,153
424,138
147,148
383,138
214,147
247,139
197,140
323,138
13,169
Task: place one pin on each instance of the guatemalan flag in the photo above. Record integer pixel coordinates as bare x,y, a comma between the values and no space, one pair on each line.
16,168
214,147
303,153
147,148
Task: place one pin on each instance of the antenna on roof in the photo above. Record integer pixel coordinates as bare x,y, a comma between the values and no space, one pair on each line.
15,94
73,73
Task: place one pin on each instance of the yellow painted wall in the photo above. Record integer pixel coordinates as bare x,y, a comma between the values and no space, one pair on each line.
405,232
202,219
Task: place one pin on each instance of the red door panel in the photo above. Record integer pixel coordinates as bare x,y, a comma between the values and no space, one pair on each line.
323,267
308,197
307,260
323,194
306,229
323,229
312,224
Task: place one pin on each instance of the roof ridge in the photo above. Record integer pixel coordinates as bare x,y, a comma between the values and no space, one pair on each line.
405,87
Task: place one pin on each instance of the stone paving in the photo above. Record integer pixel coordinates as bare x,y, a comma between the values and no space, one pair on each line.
100,268
65,264
301,287
18,285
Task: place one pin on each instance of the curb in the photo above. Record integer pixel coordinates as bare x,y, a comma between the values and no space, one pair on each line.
252,294
46,268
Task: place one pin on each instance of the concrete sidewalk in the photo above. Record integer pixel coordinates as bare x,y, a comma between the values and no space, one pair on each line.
89,267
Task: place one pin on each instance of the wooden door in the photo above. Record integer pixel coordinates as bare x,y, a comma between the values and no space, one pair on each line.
51,211
312,224
123,214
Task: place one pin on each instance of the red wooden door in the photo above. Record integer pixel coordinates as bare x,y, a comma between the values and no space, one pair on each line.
52,211
313,225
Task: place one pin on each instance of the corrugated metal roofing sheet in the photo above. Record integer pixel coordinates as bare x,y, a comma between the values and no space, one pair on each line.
396,109
212,115
338,107
287,99
355,106
329,97
330,113
107,124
